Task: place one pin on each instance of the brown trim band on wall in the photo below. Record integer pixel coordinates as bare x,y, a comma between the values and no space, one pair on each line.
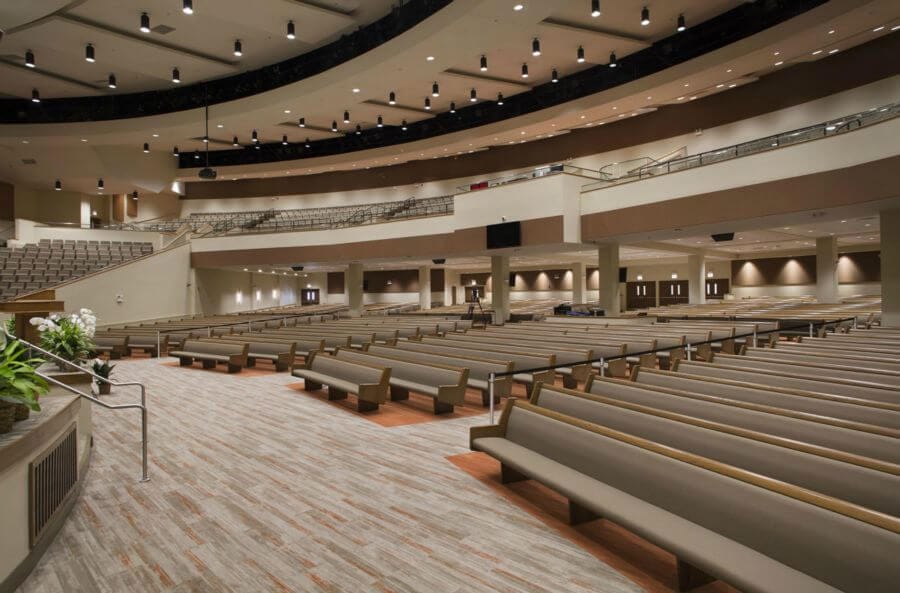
868,182
804,82
537,231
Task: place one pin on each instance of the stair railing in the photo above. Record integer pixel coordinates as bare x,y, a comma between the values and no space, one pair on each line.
145,476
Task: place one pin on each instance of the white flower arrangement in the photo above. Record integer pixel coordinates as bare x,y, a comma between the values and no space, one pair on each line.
68,337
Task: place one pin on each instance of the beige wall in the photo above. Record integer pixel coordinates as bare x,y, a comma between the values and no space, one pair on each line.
151,288
227,291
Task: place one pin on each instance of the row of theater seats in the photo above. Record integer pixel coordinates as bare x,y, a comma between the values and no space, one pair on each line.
37,266
776,469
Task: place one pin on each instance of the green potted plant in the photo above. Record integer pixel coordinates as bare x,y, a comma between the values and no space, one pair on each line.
20,385
69,337
104,369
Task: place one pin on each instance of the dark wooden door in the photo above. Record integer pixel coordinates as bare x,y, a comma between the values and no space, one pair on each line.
673,292
640,294
309,296
716,288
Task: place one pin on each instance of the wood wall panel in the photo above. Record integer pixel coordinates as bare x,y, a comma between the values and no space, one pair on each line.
859,268
119,207
774,271
7,201
335,283
437,280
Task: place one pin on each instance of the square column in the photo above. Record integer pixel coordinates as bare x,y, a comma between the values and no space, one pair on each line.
424,288
579,283
826,270
608,270
451,283
500,288
353,284
890,268
696,279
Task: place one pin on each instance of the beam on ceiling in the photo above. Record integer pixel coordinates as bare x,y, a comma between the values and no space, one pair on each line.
148,40
598,33
320,7
684,249
484,78
47,74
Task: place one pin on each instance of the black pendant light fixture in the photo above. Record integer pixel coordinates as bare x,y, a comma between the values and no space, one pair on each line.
380,123
29,59
612,60
187,6
176,76
346,117
435,92
146,148
35,96
595,8
645,16
254,137
301,122
580,55
100,184
291,34
58,185
333,126
145,22
238,48
554,76
473,96
89,53
175,152
452,106
234,142
499,98
111,81
392,98
524,70
484,63
681,24
535,47
403,125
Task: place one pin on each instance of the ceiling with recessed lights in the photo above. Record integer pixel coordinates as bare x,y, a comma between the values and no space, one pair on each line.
456,37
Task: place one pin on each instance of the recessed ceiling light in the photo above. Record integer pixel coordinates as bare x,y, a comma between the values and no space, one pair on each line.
355,90
84,140
518,7
731,86
728,71
287,110
220,125
680,99
155,135
429,58
718,86
24,141
779,63
833,51
831,32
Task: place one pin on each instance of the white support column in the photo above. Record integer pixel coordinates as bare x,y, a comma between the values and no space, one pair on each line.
85,213
579,283
608,270
500,288
451,283
826,269
353,284
696,279
424,288
890,268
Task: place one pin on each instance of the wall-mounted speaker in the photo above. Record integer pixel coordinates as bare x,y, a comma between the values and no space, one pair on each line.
297,268
718,238
438,261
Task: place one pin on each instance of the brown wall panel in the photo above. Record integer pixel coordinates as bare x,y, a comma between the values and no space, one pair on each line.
335,283
537,280
876,180
859,268
379,281
119,207
7,202
791,86
774,271
481,279
437,280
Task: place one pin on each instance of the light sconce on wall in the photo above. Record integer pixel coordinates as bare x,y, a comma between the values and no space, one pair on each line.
258,295
274,293
389,282
709,274
239,297
473,283
674,276
640,277
309,285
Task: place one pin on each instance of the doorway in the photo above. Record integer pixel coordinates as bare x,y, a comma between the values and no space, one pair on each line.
309,296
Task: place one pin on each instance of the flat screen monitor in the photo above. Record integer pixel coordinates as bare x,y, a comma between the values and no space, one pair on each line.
507,234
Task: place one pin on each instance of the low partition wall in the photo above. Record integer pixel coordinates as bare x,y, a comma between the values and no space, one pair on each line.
43,464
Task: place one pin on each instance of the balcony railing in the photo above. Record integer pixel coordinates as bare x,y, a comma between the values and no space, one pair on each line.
818,131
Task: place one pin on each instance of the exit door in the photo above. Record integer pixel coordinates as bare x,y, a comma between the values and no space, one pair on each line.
309,296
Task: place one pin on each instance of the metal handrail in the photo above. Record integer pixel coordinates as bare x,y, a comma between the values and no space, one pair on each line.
821,130
145,476
687,346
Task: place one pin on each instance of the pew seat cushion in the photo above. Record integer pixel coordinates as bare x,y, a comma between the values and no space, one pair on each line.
733,562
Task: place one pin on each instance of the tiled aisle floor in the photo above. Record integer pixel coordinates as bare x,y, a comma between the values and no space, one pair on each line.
256,488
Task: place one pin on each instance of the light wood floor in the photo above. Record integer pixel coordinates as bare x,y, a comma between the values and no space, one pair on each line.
258,488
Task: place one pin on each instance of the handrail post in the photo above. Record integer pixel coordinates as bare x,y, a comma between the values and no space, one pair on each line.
158,343
208,332
755,344
810,329
491,379
602,367
688,346
145,475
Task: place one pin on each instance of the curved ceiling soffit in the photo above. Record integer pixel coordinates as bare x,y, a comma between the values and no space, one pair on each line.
723,30
222,90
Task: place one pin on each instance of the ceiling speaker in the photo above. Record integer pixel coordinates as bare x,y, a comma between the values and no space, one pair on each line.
718,238
297,268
